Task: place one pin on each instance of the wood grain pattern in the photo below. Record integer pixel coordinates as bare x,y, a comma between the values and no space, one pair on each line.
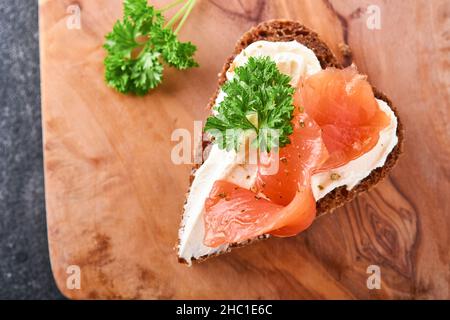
114,197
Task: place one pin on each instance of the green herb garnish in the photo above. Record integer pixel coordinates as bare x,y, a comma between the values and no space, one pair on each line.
140,43
258,98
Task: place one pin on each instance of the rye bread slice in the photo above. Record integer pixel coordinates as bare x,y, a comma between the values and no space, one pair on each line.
286,30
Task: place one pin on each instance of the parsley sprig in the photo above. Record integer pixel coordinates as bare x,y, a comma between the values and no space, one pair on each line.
258,98
140,43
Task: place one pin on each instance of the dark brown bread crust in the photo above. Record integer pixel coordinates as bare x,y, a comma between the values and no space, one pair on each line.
285,30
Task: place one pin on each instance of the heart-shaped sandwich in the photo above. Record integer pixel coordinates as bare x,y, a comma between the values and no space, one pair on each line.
321,135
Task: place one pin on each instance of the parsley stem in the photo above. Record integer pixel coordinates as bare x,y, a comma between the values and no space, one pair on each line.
177,15
170,5
188,11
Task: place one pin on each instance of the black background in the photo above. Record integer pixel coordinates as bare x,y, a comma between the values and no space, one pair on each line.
24,263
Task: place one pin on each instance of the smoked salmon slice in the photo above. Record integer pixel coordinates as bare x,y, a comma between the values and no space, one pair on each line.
342,103
297,161
235,214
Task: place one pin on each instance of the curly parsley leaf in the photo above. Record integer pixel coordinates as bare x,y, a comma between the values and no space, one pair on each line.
258,98
140,43
177,54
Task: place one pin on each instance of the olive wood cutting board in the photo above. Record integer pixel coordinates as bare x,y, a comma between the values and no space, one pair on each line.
114,197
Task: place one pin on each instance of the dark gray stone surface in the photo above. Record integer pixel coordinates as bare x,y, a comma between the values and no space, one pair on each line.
24,263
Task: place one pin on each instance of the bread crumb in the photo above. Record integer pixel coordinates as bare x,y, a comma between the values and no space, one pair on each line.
345,50
335,176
